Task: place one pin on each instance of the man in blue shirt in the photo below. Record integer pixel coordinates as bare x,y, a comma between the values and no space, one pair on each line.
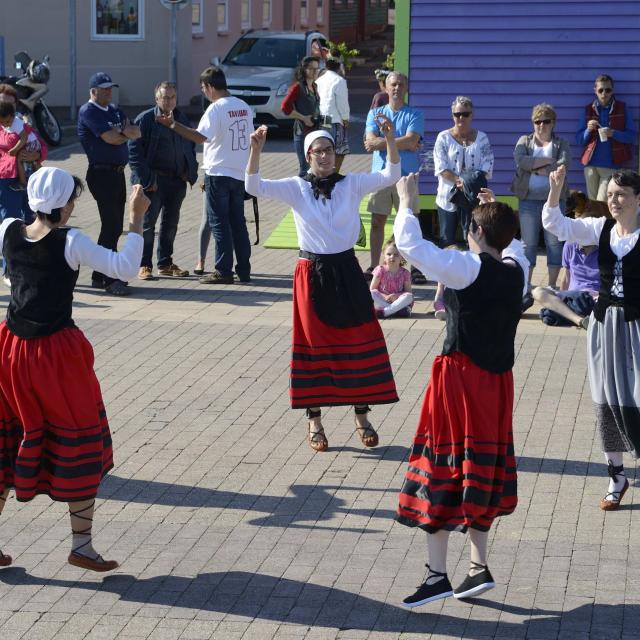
162,162
607,135
104,131
409,127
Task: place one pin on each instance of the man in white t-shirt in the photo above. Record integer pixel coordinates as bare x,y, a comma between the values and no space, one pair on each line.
224,129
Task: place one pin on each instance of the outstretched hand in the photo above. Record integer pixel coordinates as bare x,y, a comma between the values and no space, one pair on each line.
166,119
258,138
407,188
486,195
385,125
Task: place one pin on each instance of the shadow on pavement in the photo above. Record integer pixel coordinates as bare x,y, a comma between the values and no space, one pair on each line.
270,598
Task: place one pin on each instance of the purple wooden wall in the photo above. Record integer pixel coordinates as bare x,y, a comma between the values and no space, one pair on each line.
508,56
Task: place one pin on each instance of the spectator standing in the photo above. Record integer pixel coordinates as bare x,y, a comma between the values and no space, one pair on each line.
302,103
381,97
606,132
163,163
409,129
334,107
536,155
104,131
224,129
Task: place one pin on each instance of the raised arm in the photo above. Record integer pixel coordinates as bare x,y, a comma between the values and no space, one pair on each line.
124,264
193,135
584,231
454,269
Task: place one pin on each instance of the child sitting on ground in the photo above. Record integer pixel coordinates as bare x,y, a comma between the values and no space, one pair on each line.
391,285
25,139
579,285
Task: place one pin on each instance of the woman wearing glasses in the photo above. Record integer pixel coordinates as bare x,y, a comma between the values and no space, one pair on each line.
339,355
457,150
537,155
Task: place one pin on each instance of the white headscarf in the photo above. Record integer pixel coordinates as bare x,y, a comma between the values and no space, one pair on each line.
49,188
310,138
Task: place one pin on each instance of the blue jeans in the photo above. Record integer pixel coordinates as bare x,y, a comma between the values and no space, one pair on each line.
298,145
448,225
225,212
168,199
530,212
14,204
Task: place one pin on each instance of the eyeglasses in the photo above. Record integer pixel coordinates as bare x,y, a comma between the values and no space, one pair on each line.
473,225
539,122
461,114
605,90
325,151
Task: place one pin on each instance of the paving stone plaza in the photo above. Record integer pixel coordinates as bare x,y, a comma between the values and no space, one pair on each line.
227,525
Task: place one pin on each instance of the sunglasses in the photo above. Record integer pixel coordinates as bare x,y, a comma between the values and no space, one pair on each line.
546,121
606,90
461,114
473,225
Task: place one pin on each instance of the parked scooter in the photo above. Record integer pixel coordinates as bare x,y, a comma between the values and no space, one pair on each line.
31,87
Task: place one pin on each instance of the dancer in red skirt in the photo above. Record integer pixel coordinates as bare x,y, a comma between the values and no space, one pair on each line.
54,436
339,354
462,471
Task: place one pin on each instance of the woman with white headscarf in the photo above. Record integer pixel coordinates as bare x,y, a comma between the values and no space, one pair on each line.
54,435
339,355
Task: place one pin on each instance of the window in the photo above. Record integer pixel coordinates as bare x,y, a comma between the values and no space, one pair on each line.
319,11
304,13
223,16
252,51
266,13
117,19
245,14
197,19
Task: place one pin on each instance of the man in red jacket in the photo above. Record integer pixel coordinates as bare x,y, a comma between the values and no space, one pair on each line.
607,135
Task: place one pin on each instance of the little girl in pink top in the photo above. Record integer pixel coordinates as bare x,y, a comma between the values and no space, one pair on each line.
391,285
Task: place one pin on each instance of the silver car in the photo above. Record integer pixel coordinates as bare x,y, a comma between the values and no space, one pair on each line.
259,69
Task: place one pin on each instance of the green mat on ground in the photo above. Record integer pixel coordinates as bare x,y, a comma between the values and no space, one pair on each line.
284,235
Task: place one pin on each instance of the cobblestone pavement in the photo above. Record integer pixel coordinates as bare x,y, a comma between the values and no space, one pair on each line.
228,526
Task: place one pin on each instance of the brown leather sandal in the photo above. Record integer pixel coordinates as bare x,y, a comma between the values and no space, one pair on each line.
5,560
368,435
317,439
85,562
611,502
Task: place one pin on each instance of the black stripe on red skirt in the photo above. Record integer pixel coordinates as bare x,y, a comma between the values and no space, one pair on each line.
333,366
54,434
462,470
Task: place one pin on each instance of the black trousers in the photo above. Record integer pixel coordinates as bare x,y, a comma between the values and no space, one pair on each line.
109,190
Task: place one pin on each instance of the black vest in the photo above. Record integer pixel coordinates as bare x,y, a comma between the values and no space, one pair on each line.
482,319
630,277
308,104
42,283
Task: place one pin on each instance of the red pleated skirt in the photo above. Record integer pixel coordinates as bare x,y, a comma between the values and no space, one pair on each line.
462,470
54,435
333,366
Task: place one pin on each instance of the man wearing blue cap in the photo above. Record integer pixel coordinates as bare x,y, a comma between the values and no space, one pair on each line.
104,131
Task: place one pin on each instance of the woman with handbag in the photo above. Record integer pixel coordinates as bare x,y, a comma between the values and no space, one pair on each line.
339,355
536,155
302,103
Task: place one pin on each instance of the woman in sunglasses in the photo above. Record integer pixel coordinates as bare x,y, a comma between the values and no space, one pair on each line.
339,355
536,155
458,150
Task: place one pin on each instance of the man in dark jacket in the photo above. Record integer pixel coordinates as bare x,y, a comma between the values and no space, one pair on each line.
162,162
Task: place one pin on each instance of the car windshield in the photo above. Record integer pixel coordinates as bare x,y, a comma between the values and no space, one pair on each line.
266,52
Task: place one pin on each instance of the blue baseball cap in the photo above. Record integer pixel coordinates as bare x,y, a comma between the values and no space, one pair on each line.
101,80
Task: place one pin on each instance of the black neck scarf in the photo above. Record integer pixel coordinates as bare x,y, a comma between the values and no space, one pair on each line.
323,186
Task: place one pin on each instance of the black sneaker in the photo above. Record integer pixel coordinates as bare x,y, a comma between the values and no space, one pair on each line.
430,592
244,278
475,585
527,301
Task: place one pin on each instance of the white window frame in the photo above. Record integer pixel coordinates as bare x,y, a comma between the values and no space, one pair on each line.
198,28
304,19
223,28
122,37
319,12
266,22
245,24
